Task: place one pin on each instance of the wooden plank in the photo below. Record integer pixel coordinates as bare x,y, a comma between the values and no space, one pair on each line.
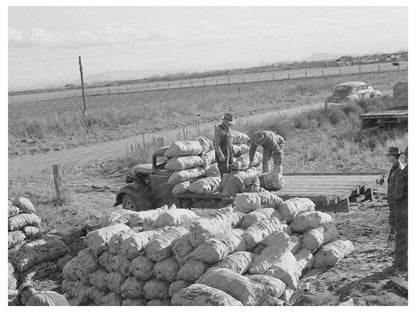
312,182
342,206
340,181
323,187
369,194
332,173
333,177
357,199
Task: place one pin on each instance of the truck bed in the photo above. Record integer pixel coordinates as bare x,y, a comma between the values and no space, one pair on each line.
394,115
329,191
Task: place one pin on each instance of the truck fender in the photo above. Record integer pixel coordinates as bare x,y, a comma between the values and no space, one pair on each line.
137,192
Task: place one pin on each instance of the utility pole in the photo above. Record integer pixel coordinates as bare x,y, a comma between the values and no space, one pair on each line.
82,86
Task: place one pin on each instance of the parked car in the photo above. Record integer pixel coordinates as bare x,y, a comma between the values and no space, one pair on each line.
351,92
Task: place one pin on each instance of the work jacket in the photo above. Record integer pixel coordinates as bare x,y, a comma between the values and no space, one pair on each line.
392,181
402,189
223,142
271,141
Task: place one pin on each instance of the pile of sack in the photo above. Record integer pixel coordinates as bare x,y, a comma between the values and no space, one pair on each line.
23,222
194,167
32,255
253,252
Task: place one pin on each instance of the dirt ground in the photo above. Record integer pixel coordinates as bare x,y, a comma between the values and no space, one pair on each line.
362,278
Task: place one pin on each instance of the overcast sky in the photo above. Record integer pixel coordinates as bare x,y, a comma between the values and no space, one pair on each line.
44,42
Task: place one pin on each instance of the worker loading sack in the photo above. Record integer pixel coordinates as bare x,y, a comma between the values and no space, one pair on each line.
272,143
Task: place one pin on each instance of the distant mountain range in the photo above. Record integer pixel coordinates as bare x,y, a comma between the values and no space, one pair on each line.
120,75
320,56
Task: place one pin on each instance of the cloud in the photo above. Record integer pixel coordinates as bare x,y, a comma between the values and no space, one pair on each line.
202,33
15,36
40,38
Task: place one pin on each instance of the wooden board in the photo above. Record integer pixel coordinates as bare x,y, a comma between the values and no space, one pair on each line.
330,192
386,114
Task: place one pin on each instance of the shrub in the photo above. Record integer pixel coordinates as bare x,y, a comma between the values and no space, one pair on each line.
374,104
303,122
352,108
335,115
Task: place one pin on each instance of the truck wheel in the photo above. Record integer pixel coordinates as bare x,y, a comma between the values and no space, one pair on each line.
129,203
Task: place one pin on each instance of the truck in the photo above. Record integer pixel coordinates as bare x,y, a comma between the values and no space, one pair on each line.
393,116
147,189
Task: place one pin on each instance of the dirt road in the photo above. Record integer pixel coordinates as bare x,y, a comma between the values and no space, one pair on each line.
27,166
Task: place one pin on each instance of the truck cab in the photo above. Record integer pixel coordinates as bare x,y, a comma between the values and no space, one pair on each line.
147,186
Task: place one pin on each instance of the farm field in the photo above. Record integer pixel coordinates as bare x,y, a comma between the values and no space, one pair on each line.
53,125
269,75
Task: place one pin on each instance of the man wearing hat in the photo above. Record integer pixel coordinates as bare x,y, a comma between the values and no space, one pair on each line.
272,143
401,248
232,183
29,296
223,144
393,156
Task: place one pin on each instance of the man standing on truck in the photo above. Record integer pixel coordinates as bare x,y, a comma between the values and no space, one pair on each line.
393,156
223,144
401,248
272,144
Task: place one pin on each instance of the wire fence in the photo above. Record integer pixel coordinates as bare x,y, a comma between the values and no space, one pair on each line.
217,81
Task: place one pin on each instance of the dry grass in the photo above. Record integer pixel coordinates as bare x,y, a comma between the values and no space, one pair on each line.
51,123
320,141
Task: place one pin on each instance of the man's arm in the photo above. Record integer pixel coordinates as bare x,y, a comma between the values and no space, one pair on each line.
252,151
216,142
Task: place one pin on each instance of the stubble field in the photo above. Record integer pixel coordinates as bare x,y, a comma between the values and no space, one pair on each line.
42,126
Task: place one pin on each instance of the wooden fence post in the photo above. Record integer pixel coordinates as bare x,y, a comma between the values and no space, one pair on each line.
57,180
160,142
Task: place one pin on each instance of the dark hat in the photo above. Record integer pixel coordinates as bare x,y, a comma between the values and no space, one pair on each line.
393,150
229,118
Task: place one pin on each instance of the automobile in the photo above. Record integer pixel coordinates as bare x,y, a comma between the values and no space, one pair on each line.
351,92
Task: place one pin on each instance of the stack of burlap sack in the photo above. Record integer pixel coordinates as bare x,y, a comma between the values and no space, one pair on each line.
194,167
32,256
251,253
23,222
